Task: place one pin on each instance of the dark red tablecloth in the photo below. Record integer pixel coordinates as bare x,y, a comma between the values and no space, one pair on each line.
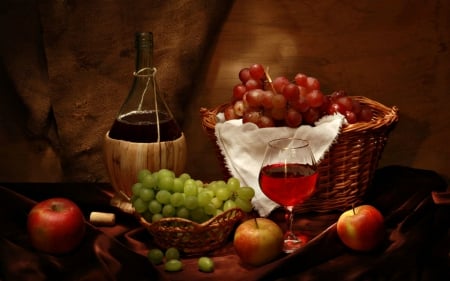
416,245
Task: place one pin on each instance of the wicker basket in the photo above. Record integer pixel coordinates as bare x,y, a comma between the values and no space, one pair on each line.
347,168
191,237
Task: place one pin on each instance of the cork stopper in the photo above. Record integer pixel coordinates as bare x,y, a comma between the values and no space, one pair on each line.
102,219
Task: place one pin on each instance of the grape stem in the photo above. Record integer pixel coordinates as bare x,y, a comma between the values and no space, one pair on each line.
269,79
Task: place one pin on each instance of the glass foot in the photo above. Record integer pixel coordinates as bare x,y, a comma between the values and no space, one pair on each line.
291,245
293,242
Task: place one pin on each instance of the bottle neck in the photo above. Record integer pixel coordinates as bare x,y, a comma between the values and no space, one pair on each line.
144,75
144,50
144,59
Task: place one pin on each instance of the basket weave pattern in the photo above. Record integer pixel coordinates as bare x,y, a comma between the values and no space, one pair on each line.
191,237
346,170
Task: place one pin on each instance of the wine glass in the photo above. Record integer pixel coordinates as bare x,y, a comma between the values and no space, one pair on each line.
288,176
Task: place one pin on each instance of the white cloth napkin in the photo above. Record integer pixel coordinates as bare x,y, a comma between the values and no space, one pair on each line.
243,147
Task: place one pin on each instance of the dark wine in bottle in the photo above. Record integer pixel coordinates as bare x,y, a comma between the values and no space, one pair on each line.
145,126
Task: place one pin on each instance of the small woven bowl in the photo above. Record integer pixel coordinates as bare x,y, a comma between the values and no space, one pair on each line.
191,237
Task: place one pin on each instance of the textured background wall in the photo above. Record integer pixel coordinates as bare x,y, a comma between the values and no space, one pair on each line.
66,69
395,52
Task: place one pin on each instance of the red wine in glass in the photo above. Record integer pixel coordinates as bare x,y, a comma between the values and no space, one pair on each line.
288,176
289,184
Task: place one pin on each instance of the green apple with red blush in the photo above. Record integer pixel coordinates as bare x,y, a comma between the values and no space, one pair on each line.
361,228
258,241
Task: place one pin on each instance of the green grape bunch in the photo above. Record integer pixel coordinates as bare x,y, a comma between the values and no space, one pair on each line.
162,194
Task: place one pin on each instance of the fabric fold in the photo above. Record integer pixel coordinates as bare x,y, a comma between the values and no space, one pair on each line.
243,147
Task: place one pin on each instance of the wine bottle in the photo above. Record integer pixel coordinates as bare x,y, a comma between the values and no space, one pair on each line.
145,115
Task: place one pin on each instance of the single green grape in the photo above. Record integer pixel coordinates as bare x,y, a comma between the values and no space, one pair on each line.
172,253
221,183
155,256
190,188
149,181
147,194
245,193
184,176
163,196
207,190
204,198
168,211
229,204
183,212
223,193
217,202
162,173
205,264
245,205
199,183
212,186
140,205
165,183
155,207
173,265
210,209
178,185
200,189
191,202
142,173
136,188
177,199
157,217
233,183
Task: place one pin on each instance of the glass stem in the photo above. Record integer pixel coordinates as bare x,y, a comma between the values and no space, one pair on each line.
290,221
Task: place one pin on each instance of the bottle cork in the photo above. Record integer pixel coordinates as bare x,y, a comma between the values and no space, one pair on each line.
102,219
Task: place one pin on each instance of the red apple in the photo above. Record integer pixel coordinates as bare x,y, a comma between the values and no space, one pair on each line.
258,241
361,228
56,226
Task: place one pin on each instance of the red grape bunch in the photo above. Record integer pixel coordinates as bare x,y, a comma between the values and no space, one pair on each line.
283,102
